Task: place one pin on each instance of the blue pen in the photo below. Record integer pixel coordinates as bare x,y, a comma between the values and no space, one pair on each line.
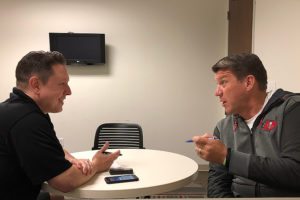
107,153
211,138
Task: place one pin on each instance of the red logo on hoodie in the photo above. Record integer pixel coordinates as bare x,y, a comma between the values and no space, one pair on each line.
269,125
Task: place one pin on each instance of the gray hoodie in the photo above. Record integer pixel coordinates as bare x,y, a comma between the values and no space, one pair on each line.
263,161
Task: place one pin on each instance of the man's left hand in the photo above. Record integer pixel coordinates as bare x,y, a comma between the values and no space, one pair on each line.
85,165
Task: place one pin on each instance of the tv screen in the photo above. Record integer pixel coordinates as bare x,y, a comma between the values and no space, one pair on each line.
86,48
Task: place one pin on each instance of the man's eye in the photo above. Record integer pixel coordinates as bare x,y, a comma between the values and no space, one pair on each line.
223,82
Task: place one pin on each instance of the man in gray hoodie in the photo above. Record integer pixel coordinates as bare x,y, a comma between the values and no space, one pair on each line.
255,150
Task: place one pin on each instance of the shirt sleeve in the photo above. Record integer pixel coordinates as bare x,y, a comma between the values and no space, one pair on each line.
219,180
39,152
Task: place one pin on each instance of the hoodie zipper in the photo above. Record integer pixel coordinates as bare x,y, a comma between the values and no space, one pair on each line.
252,139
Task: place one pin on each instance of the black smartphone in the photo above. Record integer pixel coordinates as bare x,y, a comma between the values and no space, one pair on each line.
121,179
120,170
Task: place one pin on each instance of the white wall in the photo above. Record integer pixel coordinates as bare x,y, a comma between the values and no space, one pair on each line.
277,40
158,74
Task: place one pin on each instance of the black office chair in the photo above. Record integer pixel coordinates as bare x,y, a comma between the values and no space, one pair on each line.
119,136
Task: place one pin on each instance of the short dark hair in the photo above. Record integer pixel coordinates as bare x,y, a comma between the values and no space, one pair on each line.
242,65
39,63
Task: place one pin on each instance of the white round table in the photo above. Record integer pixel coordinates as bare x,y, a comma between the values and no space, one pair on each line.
158,172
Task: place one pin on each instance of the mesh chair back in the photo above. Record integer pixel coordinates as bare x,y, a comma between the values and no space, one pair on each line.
119,136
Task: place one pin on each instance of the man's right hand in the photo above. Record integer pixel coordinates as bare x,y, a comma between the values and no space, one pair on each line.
102,162
210,149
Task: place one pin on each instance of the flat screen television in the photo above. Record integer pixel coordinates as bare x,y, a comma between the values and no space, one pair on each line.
82,48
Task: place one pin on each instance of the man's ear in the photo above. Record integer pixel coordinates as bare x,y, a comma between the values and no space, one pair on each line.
249,82
34,84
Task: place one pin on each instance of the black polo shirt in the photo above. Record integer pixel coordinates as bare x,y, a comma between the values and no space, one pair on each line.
30,152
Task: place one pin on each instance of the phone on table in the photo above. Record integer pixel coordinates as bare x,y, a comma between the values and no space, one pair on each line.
120,170
121,179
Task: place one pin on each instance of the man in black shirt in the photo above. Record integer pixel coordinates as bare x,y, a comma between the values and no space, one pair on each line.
30,152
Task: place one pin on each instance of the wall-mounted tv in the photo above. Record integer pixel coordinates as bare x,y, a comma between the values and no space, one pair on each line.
82,48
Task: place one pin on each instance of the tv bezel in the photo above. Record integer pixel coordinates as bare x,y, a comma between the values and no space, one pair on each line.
101,59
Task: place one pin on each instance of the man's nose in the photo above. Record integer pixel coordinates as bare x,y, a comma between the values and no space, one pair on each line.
218,91
68,90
